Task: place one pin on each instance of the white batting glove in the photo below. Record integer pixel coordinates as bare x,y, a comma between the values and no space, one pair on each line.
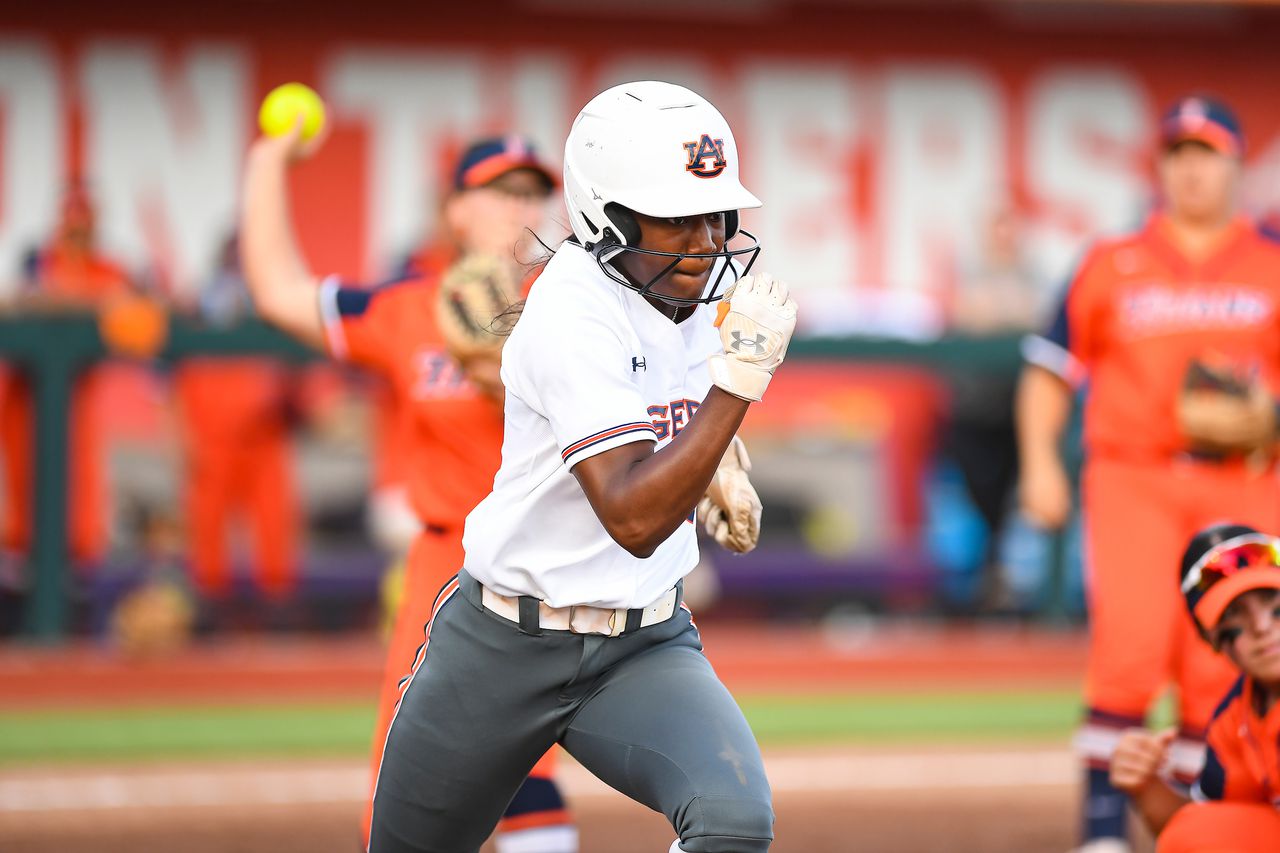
731,508
756,321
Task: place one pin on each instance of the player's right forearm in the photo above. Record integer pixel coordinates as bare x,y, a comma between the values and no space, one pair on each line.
1042,409
642,496
1157,804
283,289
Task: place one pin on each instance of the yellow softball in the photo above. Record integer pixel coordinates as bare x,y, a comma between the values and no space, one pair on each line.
282,106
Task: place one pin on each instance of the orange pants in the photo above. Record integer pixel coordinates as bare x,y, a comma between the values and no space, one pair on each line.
434,558
1222,827
86,478
238,461
1139,519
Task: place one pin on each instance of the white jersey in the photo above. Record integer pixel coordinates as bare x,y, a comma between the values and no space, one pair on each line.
590,366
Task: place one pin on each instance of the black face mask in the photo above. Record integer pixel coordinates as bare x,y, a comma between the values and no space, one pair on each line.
612,247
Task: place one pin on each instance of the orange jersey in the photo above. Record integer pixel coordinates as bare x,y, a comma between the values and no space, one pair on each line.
393,431
1138,311
454,444
1242,762
81,277
227,399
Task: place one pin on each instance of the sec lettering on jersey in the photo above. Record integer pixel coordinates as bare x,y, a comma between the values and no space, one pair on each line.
703,150
670,419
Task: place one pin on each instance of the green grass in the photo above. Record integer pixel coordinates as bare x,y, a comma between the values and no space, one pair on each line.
343,729
198,732
903,717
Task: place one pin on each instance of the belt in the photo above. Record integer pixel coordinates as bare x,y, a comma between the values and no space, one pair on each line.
534,616
1256,462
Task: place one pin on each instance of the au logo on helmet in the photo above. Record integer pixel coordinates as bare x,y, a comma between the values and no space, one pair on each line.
702,150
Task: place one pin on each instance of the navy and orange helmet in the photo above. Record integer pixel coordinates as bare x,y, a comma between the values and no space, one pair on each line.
1222,562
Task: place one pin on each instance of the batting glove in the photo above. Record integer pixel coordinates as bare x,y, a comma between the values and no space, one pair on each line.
756,320
731,509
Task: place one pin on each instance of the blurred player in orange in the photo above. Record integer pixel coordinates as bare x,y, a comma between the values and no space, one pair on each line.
69,273
236,437
500,192
1230,579
1176,330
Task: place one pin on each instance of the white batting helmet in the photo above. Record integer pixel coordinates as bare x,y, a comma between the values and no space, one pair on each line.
658,149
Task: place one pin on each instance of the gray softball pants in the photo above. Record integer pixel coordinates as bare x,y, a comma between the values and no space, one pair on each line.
643,711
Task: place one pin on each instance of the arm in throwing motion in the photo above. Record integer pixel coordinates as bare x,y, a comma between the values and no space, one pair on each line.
283,288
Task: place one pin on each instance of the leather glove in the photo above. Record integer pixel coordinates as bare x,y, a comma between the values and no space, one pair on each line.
731,508
756,320
1221,412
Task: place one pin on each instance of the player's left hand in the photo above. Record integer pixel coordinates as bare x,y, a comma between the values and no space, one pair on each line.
1221,411
731,509
477,306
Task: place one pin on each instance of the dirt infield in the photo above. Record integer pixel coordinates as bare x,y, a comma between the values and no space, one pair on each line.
878,823
959,798
950,799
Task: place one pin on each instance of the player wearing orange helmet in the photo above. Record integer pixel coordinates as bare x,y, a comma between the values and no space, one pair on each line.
1230,579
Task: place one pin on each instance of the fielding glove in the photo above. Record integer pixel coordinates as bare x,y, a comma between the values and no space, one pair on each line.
1221,412
477,306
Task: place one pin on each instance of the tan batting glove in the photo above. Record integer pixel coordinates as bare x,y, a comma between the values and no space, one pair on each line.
756,320
731,508
1138,757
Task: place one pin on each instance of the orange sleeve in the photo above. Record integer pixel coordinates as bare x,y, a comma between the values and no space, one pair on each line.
1068,345
1085,327
360,324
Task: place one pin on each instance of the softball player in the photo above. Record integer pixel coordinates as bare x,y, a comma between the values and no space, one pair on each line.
565,623
70,272
1149,319
453,426
1230,579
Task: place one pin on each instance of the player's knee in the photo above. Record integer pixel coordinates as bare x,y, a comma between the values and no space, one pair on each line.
727,825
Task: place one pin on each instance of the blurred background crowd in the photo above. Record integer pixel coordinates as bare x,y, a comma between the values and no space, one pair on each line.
930,172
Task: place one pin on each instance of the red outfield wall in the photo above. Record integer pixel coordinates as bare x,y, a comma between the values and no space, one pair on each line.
880,137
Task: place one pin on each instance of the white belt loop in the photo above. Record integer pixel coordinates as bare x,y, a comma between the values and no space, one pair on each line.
618,622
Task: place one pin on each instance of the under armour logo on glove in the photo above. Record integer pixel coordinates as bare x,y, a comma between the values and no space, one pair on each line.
755,319
751,345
